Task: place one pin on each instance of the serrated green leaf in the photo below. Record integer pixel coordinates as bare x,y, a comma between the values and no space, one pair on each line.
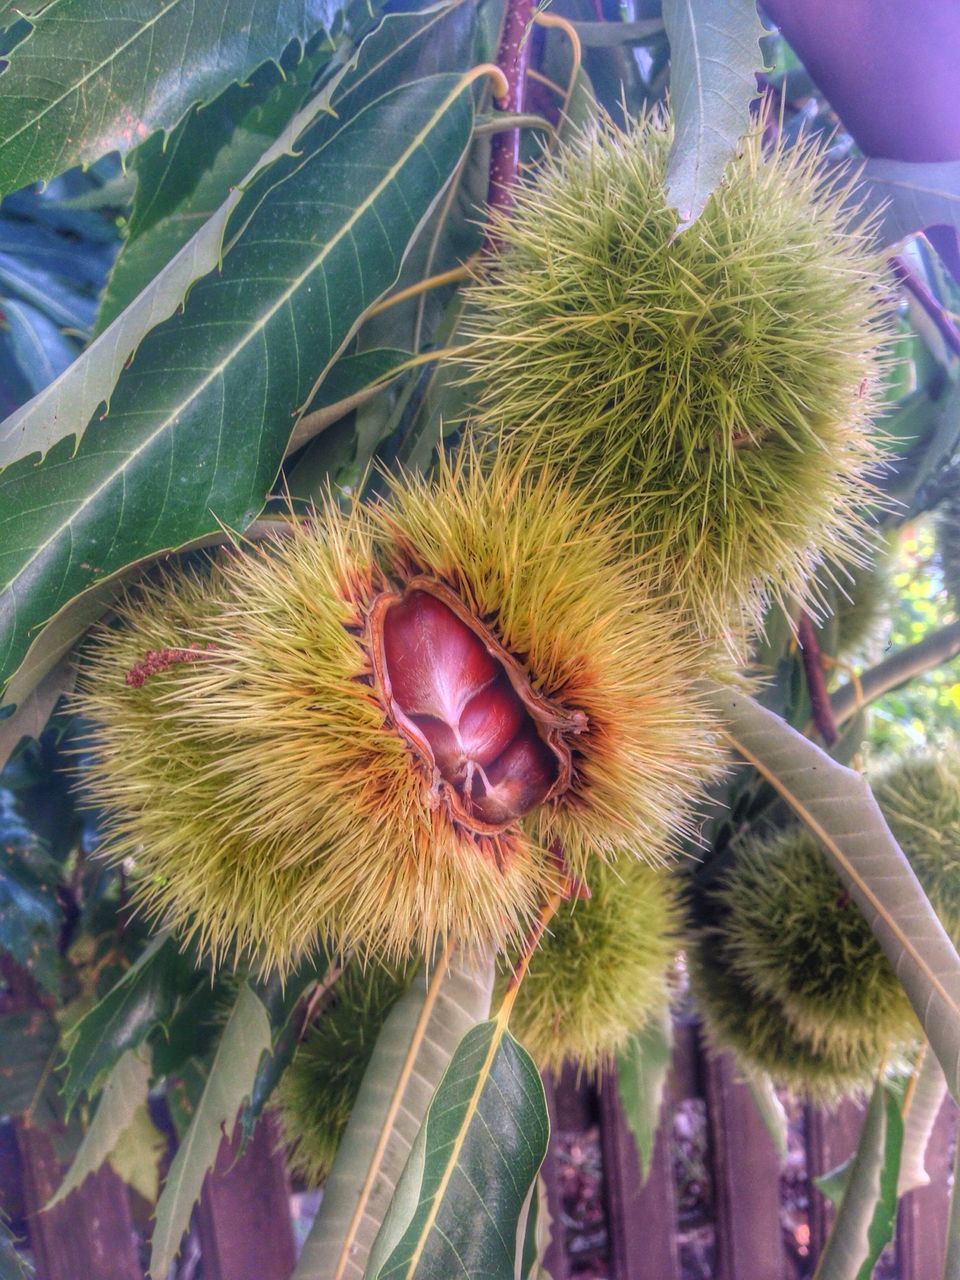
714,58
183,179
246,1037
417,1041
70,403
124,1094
198,425
909,196
145,995
458,1205
865,1221
837,805
642,1069
102,75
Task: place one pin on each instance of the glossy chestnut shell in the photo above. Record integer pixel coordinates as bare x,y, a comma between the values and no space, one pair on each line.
492,749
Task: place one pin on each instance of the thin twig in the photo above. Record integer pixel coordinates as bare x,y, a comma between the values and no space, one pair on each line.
934,650
816,683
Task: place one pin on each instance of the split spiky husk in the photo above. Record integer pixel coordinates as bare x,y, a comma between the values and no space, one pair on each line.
789,974
265,789
720,383
600,973
319,1088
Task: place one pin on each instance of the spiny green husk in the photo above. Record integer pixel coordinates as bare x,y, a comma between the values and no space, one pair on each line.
319,1088
719,383
788,973
600,973
792,934
756,1028
268,802
920,799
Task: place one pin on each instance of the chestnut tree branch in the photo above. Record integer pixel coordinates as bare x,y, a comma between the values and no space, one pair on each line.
938,647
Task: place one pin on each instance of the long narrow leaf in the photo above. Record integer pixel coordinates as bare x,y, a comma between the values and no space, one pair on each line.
71,402
458,1209
837,805
246,1037
868,1210
411,1054
198,425
92,79
124,1094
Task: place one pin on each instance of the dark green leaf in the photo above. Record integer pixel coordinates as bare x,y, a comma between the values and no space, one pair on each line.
102,75
715,55
145,995
198,425
412,1052
460,1198
182,180
391,55
285,1007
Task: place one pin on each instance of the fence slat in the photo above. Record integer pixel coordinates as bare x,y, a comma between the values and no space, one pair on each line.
91,1233
555,1258
243,1219
922,1218
746,1179
642,1220
831,1136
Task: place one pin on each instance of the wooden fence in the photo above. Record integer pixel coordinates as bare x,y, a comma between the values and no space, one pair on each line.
753,1220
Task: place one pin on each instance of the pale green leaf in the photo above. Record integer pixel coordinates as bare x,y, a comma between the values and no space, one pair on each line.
770,1109
714,58
837,805
124,1094
412,1052
925,1105
246,1037
136,1157
642,1068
